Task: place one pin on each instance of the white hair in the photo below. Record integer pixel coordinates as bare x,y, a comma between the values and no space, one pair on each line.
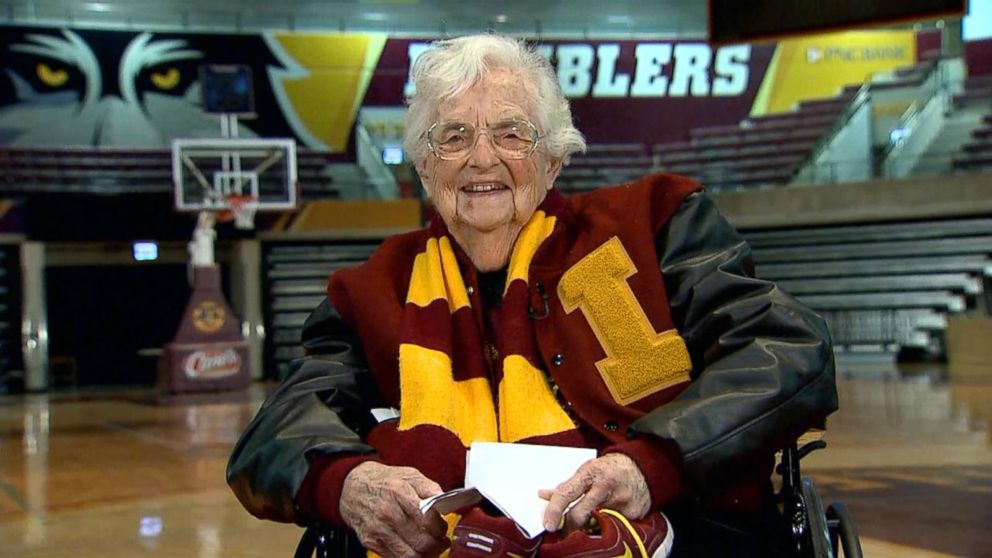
454,65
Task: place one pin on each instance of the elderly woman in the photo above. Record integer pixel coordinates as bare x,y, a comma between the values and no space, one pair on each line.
625,320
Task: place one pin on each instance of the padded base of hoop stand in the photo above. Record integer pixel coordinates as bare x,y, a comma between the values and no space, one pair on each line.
208,352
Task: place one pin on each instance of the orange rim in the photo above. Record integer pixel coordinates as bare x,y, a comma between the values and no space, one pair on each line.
235,203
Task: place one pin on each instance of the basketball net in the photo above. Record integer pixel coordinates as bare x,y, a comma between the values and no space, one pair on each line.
241,209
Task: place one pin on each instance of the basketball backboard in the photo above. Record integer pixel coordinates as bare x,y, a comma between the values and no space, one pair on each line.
214,174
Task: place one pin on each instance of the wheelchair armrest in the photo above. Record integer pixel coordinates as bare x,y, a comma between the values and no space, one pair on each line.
810,447
791,455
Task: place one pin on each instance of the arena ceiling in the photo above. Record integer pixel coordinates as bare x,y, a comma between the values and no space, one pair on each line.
548,18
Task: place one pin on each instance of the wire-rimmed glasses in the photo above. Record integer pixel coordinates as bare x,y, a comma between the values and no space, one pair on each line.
511,139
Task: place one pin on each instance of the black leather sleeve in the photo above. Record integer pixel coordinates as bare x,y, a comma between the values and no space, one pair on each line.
763,369
321,408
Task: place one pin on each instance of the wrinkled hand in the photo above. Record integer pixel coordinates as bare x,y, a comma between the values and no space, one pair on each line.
382,505
613,481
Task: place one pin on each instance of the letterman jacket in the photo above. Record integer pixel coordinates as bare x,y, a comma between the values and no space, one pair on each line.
760,366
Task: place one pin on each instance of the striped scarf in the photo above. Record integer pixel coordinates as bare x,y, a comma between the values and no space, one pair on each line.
444,378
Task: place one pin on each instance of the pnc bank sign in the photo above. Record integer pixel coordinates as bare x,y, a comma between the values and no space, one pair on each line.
816,54
656,69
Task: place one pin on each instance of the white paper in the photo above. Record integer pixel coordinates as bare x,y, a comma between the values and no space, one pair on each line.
510,466
510,476
382,414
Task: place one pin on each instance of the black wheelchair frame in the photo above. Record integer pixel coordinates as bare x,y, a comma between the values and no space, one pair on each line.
816,532
323,542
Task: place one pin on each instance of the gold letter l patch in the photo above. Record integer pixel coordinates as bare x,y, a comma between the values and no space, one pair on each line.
638,360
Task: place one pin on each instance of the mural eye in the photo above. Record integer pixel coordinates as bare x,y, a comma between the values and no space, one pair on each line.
51,77
166,80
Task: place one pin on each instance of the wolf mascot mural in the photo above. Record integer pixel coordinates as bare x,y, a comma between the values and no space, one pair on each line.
142,90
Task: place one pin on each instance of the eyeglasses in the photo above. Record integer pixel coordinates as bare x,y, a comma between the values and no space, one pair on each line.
512,139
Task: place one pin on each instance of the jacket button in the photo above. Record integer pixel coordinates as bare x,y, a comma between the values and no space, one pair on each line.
470,290
558,359
611,425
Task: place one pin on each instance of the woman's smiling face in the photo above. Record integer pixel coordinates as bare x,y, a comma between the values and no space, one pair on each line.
481,193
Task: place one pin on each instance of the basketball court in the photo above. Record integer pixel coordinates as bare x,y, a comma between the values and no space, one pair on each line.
119,474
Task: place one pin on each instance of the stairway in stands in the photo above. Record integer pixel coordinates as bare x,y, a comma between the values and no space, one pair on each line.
976,151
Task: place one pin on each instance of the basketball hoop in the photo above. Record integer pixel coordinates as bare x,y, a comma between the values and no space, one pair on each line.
230,179
241,209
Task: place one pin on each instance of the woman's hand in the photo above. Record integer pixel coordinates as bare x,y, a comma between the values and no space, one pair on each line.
613,481
382,505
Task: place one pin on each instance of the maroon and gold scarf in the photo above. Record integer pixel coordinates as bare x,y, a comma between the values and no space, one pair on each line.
444,379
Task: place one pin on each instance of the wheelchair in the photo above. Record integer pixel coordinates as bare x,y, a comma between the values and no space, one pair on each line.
817,532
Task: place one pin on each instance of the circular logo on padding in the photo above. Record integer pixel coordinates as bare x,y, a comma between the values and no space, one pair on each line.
208,316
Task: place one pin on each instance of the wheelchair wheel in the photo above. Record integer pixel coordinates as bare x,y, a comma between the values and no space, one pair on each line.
328,542
311,542
818,536
843,530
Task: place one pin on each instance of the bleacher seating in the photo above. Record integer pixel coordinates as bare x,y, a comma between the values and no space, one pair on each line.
762,150
295,281
906,76
883,287
765,150
117,170
604,164
761,153
11,359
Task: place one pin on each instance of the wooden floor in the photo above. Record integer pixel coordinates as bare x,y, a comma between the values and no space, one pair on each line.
126,474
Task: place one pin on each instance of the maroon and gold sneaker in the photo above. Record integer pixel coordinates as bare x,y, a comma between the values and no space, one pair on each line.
478,534
615,536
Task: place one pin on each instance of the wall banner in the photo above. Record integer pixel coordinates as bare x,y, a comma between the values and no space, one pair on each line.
62,86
